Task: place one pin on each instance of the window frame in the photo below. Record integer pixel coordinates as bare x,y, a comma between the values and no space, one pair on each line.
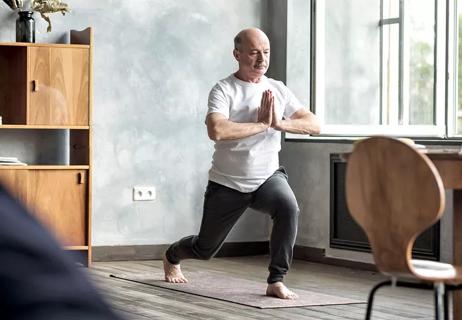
444,123
452,69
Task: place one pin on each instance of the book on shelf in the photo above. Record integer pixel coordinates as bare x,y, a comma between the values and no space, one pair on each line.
11,161
8,159
13,164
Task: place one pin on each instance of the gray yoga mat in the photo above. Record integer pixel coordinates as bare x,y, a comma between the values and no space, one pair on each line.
222,286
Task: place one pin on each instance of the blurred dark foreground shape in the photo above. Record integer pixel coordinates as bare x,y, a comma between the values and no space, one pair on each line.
38,279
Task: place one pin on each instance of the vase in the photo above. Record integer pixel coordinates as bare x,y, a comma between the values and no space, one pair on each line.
25,27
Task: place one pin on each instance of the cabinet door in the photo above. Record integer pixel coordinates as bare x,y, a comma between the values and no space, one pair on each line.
15,181
58,86
58,199
38,111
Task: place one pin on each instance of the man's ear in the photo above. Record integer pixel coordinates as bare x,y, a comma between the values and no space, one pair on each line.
236,54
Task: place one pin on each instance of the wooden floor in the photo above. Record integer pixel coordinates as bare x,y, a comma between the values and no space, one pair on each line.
138,301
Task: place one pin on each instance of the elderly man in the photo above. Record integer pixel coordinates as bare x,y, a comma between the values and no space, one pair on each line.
246,114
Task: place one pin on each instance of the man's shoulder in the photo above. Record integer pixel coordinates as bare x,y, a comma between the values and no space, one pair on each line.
224,84
229,80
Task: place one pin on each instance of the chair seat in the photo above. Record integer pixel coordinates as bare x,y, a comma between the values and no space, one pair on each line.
434,269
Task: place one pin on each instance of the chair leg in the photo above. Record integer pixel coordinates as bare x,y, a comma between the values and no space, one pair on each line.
446,303
370,301
439,294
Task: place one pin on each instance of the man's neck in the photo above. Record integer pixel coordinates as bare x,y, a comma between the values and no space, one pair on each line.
247,78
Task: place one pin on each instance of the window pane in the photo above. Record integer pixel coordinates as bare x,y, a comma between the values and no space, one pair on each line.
390,74
352,60
459,68
381,74
390,9
420,28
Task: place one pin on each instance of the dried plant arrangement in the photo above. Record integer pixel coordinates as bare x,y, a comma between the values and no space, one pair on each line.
45,7
14,4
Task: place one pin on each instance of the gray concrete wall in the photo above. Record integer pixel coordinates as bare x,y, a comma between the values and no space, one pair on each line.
308,166
154,64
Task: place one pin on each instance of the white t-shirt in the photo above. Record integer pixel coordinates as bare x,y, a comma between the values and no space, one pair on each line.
244,164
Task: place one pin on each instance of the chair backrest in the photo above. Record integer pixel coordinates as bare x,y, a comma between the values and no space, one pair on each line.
394,193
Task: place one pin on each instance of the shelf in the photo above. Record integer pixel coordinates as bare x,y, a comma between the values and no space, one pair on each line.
46,167
76,247
39,126
46,98
48,45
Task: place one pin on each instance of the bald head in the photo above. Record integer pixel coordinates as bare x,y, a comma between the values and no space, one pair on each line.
252,52
249,35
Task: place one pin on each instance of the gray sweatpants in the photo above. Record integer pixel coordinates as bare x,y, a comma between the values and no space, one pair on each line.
222,208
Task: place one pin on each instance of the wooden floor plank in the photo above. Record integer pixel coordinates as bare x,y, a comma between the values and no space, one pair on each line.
140,302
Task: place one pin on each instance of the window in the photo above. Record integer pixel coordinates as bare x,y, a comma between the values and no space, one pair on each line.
381,68
407,62
458,59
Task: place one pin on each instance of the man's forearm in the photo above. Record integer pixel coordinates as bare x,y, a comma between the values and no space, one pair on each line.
229,130
305,125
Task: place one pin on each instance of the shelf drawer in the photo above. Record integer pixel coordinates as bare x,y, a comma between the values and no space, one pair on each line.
58,198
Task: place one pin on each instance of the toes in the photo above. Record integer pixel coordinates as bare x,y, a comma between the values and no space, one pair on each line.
292,296
176,280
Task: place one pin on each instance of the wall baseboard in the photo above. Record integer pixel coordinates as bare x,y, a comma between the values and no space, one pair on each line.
319,255
229,249
156,252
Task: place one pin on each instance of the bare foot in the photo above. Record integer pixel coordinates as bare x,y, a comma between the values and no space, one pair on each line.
173,272
279,290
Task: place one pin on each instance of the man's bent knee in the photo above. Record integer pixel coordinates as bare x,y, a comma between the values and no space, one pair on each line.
287,209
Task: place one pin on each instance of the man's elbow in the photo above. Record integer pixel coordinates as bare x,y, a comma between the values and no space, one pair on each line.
214,133
315,129
214,137
311,131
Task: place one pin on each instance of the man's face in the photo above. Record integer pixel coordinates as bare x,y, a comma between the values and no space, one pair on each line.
253,55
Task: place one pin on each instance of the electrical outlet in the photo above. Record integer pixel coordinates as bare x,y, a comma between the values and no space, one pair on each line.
144,193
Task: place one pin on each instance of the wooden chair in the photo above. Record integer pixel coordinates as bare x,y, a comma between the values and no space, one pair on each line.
395,193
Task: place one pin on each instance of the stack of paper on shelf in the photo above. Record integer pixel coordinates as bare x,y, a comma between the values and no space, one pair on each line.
11,161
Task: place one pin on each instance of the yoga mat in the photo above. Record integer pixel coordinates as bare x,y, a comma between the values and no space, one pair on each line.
223,286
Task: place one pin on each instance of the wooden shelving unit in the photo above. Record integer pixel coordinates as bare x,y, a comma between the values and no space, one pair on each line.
20,126
42,87
46,45
45,167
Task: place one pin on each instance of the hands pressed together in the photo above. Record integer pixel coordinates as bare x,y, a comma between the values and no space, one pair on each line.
219,127
267,111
